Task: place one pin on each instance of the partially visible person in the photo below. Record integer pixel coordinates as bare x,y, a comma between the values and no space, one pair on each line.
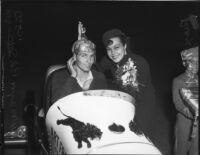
77,76
130,73
185,98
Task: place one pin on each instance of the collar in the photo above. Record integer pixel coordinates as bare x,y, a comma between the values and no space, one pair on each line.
81,83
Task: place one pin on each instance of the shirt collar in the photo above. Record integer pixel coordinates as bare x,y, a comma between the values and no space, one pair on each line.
81,83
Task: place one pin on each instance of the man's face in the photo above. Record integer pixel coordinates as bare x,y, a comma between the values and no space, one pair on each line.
116,50
85,58
193,65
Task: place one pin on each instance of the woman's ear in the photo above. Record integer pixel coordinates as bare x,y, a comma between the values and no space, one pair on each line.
94,58
125,46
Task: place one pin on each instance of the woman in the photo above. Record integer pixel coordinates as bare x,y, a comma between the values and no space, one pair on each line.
130,73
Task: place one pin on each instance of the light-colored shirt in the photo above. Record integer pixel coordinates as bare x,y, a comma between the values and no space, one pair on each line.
85,84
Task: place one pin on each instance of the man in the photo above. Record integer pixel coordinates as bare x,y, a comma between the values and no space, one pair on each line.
77,75
185,98
130,73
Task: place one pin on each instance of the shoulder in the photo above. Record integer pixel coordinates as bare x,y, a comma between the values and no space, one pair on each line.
105,63
60,74
178,79
140,60
97,74
61,71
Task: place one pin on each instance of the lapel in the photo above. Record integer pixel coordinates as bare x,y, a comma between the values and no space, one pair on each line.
93,81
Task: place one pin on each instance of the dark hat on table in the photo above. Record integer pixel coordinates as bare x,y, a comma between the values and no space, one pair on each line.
110,34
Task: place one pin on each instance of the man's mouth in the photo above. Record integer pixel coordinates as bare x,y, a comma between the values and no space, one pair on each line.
87,66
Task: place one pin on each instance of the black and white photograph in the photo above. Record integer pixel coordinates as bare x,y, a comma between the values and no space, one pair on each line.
99,77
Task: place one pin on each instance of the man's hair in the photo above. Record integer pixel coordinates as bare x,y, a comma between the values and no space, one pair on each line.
111,34
190,54
77,44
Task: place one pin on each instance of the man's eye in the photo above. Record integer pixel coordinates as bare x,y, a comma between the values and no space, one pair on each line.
116,48
83,55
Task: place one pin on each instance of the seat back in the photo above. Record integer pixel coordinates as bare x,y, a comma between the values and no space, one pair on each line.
42,136
46,95
52,69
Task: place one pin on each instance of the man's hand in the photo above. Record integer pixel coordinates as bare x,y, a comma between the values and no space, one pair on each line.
70,64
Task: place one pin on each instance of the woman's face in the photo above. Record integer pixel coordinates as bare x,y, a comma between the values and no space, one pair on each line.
85,58
116,50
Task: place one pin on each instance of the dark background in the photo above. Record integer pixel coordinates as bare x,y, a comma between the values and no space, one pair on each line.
50,28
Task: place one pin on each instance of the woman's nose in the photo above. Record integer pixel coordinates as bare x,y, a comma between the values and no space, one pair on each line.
112,51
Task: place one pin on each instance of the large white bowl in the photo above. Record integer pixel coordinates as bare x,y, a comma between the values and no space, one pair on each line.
100,108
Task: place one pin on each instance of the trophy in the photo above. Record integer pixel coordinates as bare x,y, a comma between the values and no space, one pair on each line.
81,31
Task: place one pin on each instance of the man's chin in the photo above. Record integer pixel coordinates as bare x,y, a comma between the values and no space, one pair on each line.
85,69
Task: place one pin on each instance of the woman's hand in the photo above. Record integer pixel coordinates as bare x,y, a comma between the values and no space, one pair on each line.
70,65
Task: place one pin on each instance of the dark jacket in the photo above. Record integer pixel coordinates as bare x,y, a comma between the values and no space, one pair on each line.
61,84
146,89
145,97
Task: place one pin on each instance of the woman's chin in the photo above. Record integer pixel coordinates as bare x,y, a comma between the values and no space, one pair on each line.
117,60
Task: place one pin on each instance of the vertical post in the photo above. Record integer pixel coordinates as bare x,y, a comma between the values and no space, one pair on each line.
2,87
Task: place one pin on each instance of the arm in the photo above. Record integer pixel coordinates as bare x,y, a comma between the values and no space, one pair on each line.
70,67
177,99
101,82
147,91
104,82
190,100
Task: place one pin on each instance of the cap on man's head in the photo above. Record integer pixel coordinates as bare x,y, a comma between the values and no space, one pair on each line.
84,45
110,34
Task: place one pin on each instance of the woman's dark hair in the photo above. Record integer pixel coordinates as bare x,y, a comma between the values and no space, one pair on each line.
113,33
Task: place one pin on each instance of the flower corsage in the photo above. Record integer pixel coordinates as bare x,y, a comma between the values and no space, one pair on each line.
126,76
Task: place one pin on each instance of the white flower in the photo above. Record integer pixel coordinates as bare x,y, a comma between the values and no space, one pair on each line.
129,76
125,78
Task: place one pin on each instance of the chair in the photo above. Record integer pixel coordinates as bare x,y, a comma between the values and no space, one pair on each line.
40,118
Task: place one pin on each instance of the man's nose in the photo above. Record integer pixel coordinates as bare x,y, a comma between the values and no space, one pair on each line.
89,60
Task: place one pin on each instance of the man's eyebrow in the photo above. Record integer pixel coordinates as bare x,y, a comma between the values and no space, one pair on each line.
82,53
